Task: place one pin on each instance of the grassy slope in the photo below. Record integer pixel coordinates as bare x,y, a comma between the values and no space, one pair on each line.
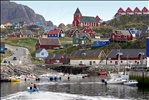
6,54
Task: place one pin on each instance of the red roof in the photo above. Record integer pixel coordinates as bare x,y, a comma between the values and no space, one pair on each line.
55,31
120,10
144,9
128,10
137,10
97,17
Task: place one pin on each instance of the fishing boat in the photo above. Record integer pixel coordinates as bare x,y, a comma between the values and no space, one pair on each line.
32,90
131,83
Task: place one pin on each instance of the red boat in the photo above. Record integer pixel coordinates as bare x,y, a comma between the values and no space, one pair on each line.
102,73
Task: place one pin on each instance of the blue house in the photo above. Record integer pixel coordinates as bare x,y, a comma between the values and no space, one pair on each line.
133,31
46,29
2,47
38,23
101,43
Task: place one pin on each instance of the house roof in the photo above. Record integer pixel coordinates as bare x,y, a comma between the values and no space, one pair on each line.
83,35
144,30
2,44
128,10
50,56
58,55
39,50
137,9
88,19
49,41
144,9
73,31
120,10
122,32
88,53
77,11
55,31
130,53
26,32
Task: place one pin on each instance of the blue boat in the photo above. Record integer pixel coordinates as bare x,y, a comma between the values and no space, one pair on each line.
32,90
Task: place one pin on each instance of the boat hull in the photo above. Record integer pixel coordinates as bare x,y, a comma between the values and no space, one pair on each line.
32,90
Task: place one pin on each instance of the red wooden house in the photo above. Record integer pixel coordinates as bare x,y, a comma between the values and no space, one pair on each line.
129,11
72,32
145,11
121,35
121,11
88,30
137,11
58,58
48,43
80,20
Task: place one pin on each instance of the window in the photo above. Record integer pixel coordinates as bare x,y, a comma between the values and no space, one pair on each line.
76,41
104,42
94,62
42,53
110,61
121,61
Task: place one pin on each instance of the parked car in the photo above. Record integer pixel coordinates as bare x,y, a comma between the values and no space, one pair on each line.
5,61
14,58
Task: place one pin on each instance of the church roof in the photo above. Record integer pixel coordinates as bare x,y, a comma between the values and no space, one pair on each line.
88,19
77,11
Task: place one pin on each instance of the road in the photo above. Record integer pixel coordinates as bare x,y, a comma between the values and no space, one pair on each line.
20,53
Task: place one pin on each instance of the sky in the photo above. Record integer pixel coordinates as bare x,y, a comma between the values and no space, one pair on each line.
62,11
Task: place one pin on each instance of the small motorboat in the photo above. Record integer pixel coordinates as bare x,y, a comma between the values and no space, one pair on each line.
32,90
14,80
102,73
131,83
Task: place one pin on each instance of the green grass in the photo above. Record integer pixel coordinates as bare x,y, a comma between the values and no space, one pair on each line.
21,42
6,54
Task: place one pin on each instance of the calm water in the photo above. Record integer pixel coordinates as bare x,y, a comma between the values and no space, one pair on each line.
76,89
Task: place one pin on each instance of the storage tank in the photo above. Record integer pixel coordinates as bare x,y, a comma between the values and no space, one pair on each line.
147,50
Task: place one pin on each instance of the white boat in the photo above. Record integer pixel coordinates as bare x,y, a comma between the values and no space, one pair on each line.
115,81
131,83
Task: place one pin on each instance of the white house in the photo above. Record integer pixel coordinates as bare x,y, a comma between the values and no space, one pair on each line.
2,26
41,54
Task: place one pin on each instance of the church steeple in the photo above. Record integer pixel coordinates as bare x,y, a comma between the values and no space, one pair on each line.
77,11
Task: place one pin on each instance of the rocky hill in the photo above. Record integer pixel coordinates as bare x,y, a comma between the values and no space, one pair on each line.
13,13
136,21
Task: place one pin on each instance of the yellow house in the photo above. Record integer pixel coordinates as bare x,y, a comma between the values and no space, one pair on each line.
87,57
7,24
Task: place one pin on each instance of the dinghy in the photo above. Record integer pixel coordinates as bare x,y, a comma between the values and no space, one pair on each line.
32,90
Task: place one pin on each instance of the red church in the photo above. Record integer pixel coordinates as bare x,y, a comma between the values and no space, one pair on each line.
80,20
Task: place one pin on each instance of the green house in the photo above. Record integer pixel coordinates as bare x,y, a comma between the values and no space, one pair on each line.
81,39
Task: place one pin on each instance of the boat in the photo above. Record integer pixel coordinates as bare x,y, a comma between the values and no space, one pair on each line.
115,81
32,90
14,80
102,73
131,83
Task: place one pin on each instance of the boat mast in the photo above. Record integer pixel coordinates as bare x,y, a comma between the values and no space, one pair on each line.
119,54
118,60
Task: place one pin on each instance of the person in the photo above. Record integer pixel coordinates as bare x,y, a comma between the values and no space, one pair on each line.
35,87
31,87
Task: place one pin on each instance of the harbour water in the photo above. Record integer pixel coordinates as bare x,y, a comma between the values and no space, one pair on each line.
73,89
